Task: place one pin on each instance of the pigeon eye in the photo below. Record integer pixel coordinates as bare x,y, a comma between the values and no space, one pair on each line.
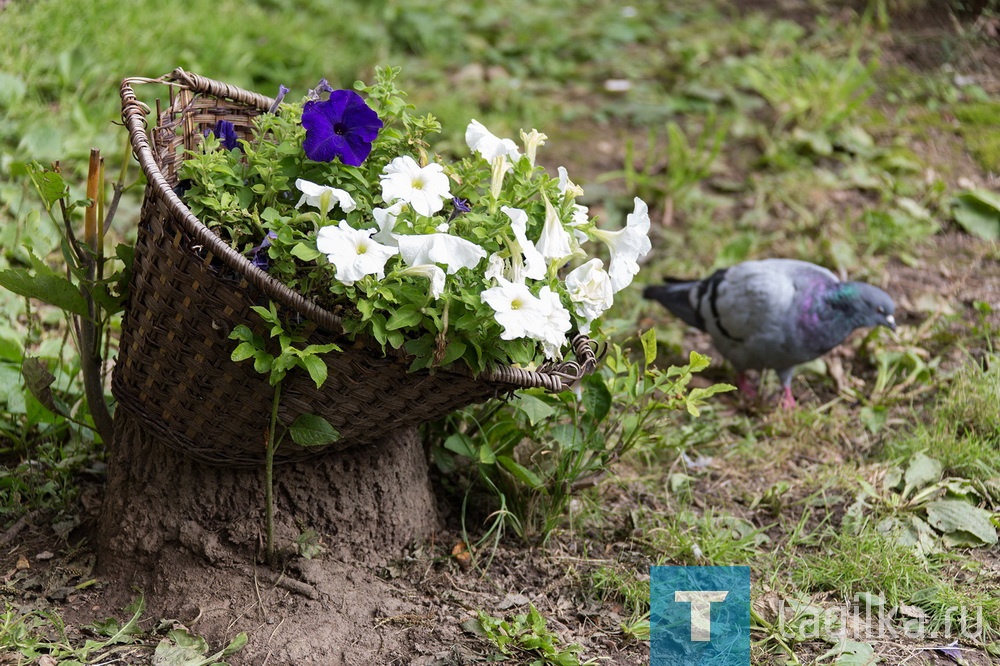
880,310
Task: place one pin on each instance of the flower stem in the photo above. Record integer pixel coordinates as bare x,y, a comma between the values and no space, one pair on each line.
269,475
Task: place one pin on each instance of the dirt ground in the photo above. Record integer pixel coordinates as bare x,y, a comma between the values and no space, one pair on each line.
389,608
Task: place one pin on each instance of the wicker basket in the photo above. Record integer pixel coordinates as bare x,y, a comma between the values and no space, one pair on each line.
189,289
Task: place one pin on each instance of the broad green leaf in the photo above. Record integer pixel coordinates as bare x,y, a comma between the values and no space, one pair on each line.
851,653
596,397
316,368
486,455
521,472
241,332
243,351
922,471
534,408
168,654
698,362
648,340
50,185
305,253
53,289
313,430
978,212
455,351
405,317
954,517
461,444
235,645
187,640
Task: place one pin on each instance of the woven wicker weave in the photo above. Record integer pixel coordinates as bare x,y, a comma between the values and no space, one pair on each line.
189,289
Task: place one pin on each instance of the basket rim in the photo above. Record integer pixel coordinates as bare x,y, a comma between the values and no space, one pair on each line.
555,376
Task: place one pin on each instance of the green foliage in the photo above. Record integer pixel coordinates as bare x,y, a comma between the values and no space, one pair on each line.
39,636
978,212
526,635
535,452
670,169
979,121
253,346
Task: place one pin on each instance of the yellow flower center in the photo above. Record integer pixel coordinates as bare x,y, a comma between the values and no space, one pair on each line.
516,304
418,183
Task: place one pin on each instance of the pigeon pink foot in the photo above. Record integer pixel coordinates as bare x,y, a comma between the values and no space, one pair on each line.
788,400
744,384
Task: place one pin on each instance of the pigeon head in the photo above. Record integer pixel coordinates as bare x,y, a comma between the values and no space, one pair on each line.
864,305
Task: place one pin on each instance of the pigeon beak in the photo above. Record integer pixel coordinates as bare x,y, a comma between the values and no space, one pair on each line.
890,321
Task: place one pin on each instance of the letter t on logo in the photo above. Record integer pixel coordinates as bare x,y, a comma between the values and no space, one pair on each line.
701,611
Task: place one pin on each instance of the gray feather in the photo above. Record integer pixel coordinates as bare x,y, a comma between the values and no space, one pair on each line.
775,313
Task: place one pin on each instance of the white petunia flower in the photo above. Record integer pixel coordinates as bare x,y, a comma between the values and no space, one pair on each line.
532,140
323,197
555,243
531,263
567,186
484,142
627,245
520,312
452,251
552,335
496,267
432,272
424,188
385,218
353,252
590,290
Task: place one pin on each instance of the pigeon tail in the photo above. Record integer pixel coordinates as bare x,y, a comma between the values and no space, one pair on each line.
675,296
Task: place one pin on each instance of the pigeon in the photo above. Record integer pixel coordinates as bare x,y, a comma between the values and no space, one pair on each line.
774,313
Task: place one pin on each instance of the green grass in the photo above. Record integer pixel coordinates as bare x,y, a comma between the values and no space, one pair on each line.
979,122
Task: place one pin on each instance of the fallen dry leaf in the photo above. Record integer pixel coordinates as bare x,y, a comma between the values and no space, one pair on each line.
461,554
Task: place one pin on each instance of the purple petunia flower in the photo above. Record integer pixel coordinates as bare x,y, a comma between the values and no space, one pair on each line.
260,255
342,126
459,206
226,133
282,91
322,87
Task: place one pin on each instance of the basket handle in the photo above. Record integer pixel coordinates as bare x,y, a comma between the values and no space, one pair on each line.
134,115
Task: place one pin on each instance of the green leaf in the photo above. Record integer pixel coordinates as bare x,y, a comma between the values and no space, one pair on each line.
521,473
187,640
461,444
962,520
407,316
243,351
486,455
596,397
978,212
534,408
648,340
49,288
305,253
851,653
922,471
50,185
455,351
313,430
235,645
316,368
